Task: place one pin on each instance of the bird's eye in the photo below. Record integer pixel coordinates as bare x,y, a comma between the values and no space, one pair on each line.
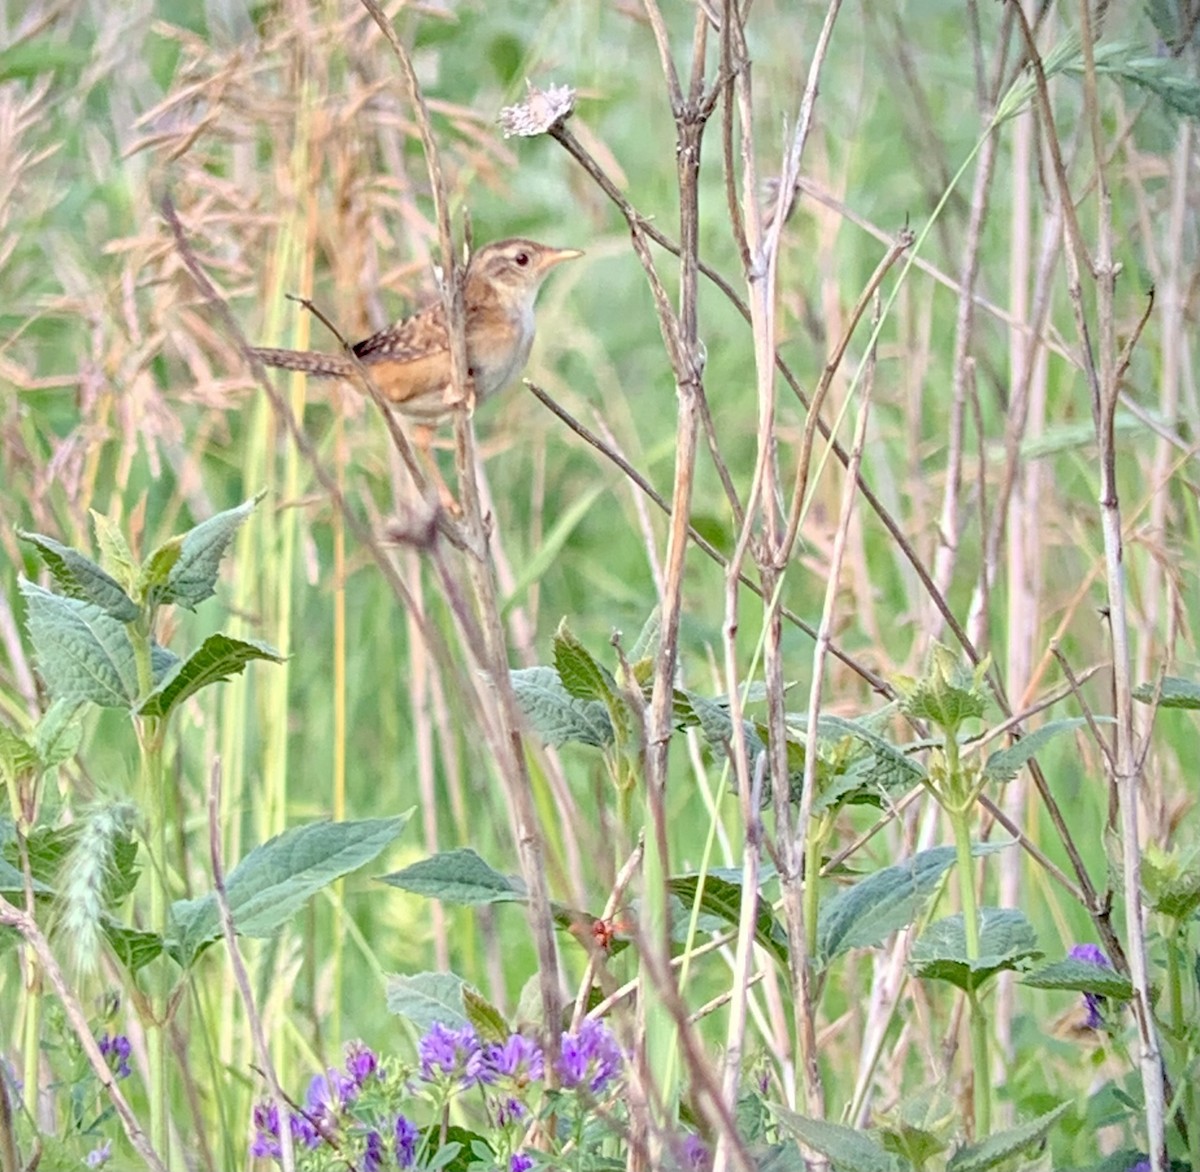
522,259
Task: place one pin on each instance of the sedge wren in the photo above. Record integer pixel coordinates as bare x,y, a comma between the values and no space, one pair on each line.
410,361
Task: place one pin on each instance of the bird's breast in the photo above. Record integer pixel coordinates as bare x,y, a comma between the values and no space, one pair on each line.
498,346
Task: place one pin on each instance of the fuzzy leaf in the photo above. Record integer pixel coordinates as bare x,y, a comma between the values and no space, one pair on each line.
58,733
193,577
722,899
79,577
1079,976
1174,693
275,879
133,948
867,913
216,659
115,553
1006,764
1006,941
426,998
488,1021
83,653
581,675
457,876
1001,1145
557,716
848,1149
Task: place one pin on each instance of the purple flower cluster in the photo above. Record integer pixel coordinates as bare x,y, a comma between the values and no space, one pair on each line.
327,1100
448,1061
590,1059
116,1050
451,1056
1092,954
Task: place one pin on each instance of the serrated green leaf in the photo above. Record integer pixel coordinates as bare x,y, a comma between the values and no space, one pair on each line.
115,554
891,770
649,639
427,998
12,882
557,716
58,733
82,652
79,577
155,574
1175,692
849,1150
1078,976
133,948
17,756
488,1021
722,899
781,1157
581,675
217,658
865,914
1006,764
457,876
1001,1145
275,879
1007,941
715,723
193,578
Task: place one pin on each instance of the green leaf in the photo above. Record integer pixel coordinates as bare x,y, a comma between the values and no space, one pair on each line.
17,756
488,1021
83,653
217,658
115,553
275,879
649,640
722,898
890,769
457,876
581,675
79,577
715,723
1006,941
193,578
949,692
557,716
849,1150
1002,1145
156,571
868,912
1174,693
133,948
59,733
426,998
39,55
12,882
1079,976
920,1125
1006,764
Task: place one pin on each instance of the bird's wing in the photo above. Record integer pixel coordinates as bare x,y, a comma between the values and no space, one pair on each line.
412,338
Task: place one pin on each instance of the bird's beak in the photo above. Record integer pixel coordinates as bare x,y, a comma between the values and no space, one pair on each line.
555,256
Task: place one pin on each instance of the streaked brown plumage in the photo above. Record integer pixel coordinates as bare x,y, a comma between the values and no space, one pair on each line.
410,361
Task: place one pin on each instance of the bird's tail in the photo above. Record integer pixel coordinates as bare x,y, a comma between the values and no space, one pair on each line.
318,365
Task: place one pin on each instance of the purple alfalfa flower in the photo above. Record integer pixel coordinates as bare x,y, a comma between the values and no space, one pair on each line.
372,1160
515,1062
590,1058
1092,954
304,1131
100,1155
694,1153
361,1063
1142,1165
116,1050
448,1055
265,1118
520,1162
406,1142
